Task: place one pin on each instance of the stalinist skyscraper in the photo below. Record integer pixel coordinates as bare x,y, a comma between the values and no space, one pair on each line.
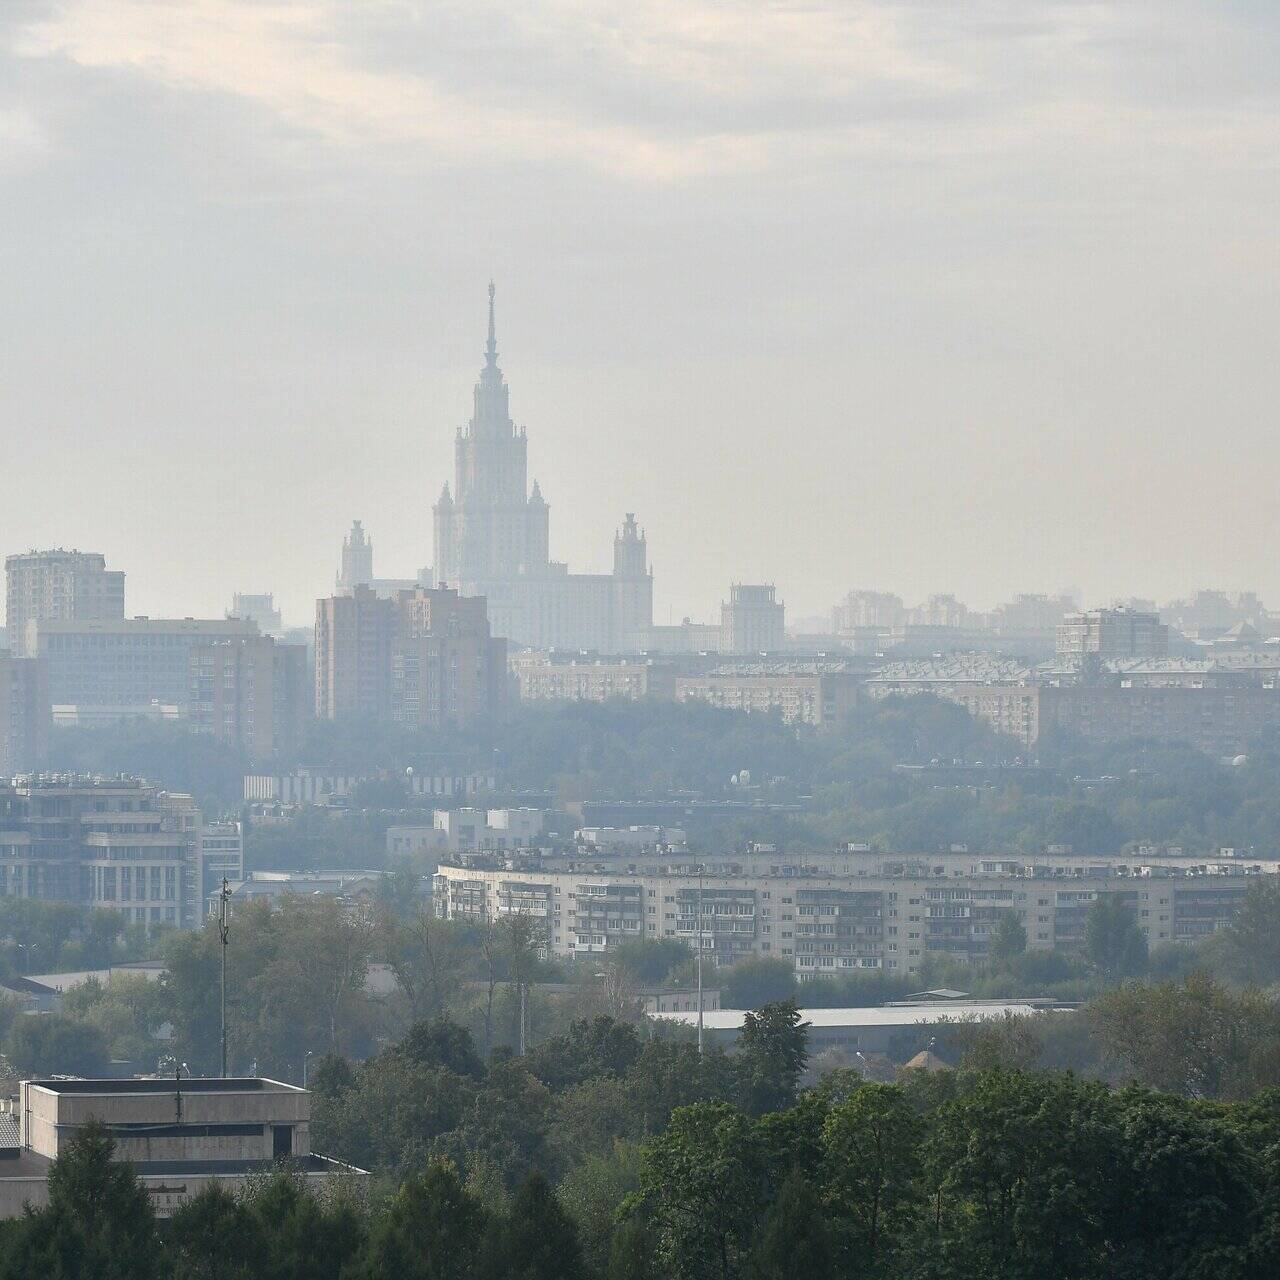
492,527
492,539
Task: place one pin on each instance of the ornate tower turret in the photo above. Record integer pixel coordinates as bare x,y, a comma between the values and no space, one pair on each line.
357,560
630,550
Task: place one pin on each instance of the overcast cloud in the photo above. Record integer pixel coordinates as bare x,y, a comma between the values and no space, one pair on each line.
920,296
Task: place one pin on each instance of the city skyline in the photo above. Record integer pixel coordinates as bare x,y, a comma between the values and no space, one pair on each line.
1006,331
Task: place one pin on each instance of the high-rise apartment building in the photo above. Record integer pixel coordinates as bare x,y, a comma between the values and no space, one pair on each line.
104,671
426,659
25,713
1107,634
355,637
58,586
447,672
117,844
752,620
249,692
492,539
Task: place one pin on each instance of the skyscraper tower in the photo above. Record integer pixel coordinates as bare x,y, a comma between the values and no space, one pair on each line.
357,561
490,527
492,539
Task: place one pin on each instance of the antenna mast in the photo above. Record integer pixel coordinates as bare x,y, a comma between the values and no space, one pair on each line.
224,929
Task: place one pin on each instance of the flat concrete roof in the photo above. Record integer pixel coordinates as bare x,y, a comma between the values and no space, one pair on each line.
890,1016
193,1084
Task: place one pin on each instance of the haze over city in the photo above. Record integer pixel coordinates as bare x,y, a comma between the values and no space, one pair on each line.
983,291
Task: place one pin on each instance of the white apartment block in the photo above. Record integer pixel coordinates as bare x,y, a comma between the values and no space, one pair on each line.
829,924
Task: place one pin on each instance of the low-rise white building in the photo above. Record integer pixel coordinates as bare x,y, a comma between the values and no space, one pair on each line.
468,831
180,1135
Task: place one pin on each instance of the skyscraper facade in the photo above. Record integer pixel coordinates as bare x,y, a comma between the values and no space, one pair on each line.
492,538
58,586
425,659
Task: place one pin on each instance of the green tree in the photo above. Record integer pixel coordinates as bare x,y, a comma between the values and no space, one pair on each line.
98,1222
751,984
213,1236
442,1044
1248,949
1008,938
1113,942
1023,1173
631,1256
591,1048
593,1190
871,1166
538,1240
50,1043
1186,1200
302,1238
650,960
701,1185
772,1054
432,1230
1196,1038
794,1241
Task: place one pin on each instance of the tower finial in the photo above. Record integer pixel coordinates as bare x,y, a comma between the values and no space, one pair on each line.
491,347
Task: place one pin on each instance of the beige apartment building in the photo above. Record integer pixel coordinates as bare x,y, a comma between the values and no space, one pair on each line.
813,693
549,676
827,924
58,586
426,659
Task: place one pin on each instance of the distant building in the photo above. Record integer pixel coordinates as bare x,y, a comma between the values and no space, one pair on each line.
26,713
257,608
1219,707
249,692
815,693
492,539
880,610
752,620
104,671
425,659
117,844
874,916
1106,634
221,857
468,831
579,677
637,837
181,1136
357,569
58,586
351,887
357,561
686,637
326,786
355,641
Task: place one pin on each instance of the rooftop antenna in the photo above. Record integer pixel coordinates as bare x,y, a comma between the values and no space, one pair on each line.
224,930
699,959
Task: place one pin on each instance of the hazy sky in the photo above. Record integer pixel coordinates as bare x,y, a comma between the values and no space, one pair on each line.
977,295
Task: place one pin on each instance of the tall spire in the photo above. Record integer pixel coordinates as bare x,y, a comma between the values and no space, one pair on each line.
491,347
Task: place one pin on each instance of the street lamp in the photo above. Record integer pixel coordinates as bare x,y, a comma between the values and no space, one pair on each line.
306,1057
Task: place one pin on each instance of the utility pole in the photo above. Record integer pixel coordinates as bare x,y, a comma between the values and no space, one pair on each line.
523,997
224,929
699,959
